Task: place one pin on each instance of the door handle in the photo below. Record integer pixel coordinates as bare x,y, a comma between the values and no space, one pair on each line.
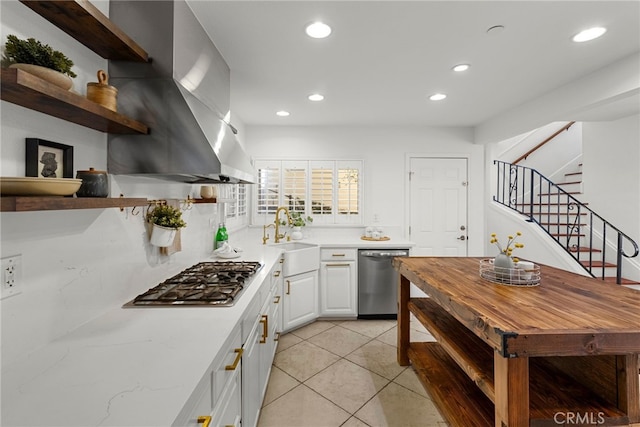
462,238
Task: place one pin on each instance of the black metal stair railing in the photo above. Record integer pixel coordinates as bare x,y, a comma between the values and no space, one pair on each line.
584,234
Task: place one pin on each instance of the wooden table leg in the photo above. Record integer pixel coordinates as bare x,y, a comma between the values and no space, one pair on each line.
628,387
511,377
403,320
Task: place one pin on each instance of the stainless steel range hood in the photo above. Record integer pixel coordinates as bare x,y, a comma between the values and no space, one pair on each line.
180,95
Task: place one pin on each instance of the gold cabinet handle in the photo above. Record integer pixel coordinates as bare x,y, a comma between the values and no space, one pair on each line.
276,273
338,254
288,287
277,299
233,367
337,265
277,337
265,328
281,260
205,420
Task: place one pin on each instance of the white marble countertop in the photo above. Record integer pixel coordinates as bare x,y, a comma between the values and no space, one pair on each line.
129,367
135,366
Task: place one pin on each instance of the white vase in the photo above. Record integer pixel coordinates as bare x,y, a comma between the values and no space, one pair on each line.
162,236
502,265
296,233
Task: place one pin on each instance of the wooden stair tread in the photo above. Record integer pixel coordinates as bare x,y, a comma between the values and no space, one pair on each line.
560,194
545,204
597,264
569,183
584,249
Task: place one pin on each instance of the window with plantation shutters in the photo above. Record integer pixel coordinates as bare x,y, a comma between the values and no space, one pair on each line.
235,205
268,188
242,201
330,191
322,190
348,191
231,207
294,186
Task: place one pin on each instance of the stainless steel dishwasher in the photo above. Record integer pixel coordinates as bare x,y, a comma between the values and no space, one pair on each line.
378,283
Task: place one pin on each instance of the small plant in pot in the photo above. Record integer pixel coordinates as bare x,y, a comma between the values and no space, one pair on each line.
166,221
32,56
297,222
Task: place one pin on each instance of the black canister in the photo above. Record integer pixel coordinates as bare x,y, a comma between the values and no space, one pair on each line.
94,183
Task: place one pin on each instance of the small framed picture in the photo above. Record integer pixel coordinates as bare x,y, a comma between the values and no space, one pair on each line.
48,159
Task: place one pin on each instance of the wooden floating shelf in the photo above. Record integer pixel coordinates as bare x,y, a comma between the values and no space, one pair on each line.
84,22
49,203
29,91
213,200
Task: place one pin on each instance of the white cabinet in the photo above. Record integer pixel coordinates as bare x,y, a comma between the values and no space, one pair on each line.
228,402
300,295
231,392
251,393
338,283
217,397
260,347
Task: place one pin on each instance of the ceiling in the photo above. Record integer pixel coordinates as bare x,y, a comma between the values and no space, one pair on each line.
385,58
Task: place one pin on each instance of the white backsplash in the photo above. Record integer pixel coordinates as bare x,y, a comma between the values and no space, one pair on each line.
78,264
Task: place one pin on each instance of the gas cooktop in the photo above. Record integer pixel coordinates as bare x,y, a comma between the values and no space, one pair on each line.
211,284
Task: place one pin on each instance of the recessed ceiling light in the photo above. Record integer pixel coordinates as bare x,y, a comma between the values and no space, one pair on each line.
316,97
282,113
461,67
318,30
589,34
437,97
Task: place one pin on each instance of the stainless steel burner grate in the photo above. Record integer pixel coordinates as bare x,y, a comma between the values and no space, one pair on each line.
215,283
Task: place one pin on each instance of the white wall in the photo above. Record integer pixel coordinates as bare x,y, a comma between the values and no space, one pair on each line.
611,176
77,264
384,151
605,92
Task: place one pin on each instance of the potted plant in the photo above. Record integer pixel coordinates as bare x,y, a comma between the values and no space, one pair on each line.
166,221
297,222
39,59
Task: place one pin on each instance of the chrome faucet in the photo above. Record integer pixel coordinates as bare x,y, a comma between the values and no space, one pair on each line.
277,222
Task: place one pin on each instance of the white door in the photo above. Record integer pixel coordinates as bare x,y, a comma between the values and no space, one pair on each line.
438,206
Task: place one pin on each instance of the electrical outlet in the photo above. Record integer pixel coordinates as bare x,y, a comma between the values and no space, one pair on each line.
11,276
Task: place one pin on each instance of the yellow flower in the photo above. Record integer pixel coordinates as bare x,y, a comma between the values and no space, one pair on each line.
511,243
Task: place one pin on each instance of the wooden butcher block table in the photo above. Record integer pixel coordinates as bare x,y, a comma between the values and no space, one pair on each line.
561,353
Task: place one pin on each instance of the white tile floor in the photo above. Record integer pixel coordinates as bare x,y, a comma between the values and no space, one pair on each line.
345,373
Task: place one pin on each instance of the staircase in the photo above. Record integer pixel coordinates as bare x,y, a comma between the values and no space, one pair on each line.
593,242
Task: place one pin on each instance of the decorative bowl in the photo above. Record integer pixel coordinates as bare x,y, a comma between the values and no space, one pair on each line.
31,186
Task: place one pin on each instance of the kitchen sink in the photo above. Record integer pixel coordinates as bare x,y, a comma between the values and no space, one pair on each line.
299,257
